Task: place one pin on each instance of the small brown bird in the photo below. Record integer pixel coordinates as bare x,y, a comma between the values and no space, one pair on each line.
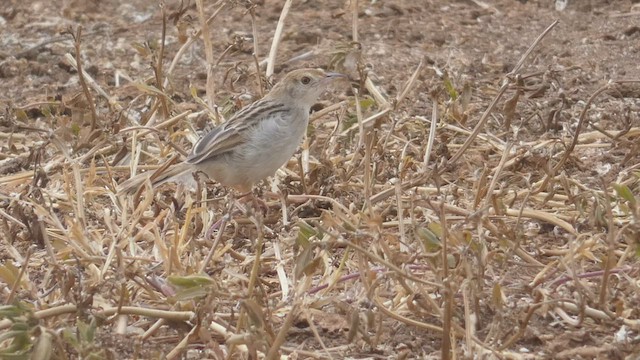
256,141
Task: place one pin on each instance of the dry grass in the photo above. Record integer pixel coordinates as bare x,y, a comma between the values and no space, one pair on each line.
444,234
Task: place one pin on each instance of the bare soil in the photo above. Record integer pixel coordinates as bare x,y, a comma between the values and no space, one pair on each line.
523,245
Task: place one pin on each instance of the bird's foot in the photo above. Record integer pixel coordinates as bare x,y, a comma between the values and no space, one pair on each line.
256,202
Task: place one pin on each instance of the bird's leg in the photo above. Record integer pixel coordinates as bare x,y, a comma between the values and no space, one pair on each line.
238,205
256,200
231,210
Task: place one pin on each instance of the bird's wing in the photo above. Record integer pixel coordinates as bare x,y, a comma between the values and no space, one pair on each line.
229,135
219,140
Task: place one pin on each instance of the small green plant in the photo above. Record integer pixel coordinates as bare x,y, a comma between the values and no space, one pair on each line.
16,342
82,340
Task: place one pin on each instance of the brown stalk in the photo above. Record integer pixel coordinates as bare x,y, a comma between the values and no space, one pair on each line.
476,130
192,40
494,230
218,239
16,283
468,318
77,181
253,278
124,310
612,235
410,84
11,218
386,263
448,291
405,320
400,211
208,52
130,115
158,65
85,89
274,349
361,132
524,322
574,142
153,329
181,347
354,21
432,132
496,174
307,354
254,30
277,36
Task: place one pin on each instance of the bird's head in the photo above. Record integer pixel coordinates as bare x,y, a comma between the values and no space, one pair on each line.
304,86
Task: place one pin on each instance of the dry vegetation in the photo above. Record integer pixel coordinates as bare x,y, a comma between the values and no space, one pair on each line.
475,193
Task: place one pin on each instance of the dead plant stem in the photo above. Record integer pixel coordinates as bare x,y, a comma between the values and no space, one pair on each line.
254,30
162,98
273,52
77,37
208,52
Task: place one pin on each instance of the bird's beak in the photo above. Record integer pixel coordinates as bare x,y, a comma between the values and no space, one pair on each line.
333,75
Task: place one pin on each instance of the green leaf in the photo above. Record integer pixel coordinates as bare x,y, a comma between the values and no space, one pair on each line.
190,281
305,233
13,355
497,296
10,311
191,293
448,85
75,129
87,331
624,192
141,48
367,103
21,115
20,326
46,111
70,337
13,334
349,121
430,240
20,343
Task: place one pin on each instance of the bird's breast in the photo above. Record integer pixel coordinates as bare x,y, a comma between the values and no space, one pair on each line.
272,143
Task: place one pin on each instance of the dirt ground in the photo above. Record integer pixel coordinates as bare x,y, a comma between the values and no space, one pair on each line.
535,217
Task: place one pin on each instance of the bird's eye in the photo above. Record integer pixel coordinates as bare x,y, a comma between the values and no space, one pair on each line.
305,80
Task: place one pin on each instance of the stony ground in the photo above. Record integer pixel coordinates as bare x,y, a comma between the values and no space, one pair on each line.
386,236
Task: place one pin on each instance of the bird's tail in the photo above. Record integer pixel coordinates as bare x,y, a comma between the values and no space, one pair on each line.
157,177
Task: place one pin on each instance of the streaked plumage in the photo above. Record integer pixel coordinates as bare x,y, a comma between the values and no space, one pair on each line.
255,141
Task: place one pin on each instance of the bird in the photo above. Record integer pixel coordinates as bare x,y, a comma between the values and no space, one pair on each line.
255,142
